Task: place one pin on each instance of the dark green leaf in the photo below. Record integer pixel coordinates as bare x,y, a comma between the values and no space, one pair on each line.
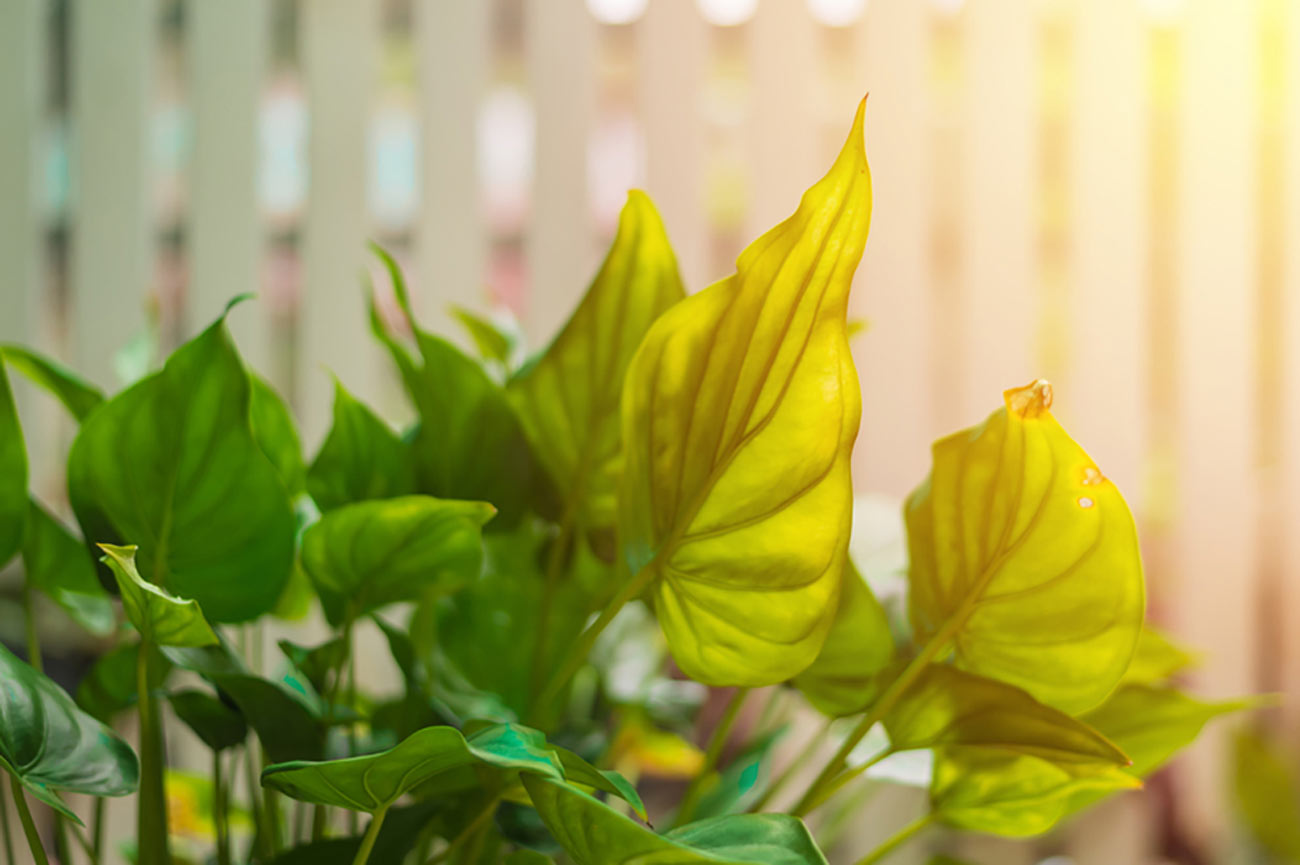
50,745
110,686
276,434
78,396
361,459
219,726
58,564
13,474
397,837
171,464
318,662
160,618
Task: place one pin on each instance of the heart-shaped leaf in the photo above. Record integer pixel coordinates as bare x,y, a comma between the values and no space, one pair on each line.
739,415
161,619
276,433
171,464
595,834
78,396
568,398
361,459
13,474
219,726
50,745
1024,558
365,555
843,679
58,565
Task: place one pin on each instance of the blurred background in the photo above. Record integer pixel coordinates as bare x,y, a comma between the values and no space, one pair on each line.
1105,193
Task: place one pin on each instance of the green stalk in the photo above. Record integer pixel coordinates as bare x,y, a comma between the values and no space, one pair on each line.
97,831
320,814
844,778
260,838
904,835
805,754
151,823
29,628
554,567
372,833
717,742
273,815
62,849
29,825
220,810
470,828
80,837
4,828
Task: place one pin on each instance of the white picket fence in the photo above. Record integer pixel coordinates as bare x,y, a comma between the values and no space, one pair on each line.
1102,192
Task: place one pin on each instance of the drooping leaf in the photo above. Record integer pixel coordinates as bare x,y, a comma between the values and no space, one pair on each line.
78,396
276,433
50,745
568,398
843,679
219,726
110,687
1013,794
361,459
13,474
595,834
1024,558
1157,659
58,565
1267,795
739,415
365,555
947,706
162,619
171,464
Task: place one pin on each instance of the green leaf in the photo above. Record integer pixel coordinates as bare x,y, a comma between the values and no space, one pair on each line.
528,857
276,434
13,474
494,342
1024,558
365,555
50,745
595,834
171,464
398,835
162,619
568,398
361,459
739,415
740,784
110,686
58,565
1013,794
78,396
946,706
1267,795
318,662
219,726
1157,659
843,679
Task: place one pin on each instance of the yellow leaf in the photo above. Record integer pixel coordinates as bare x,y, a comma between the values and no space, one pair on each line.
739,414
1024,558
1157,659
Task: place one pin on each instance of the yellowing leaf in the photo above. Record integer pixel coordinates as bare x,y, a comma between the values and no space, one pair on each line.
739,415
1024,558
647,749
568,399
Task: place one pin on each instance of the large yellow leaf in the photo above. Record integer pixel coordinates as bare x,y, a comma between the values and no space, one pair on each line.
569,397
739,413
1024,557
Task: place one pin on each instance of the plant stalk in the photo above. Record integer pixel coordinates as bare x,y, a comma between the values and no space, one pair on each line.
261,840
907,833
5,830
806,753
151,822
97,831
29,629
717,743
457,843
29,825
372,834
220,810
844,778
554,566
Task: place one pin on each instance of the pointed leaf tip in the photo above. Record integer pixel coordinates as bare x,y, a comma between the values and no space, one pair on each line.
1030,401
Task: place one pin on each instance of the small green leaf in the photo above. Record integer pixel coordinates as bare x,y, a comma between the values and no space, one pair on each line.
110,686
78,396
568,398
162,619
494,342
361,459
744,779
219,726
318,662
1024,558
50,745
365,555
13,474
276,434
595,834
58,565
1267,795
1157,659
842,681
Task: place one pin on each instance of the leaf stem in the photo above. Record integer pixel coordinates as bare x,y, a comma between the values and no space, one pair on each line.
261,840
846,777
83,842
717,742
29,628
555,560
899,839
464,835
97,831
29,825
151,821
372,834
805,754
5,829
220,816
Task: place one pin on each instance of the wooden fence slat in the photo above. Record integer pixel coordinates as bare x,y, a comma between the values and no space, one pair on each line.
113,48
228,58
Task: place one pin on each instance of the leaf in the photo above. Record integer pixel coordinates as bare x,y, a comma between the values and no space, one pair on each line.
58,565
568,398
110,686
171,464
161,619
595,834
843,679
13,474
78,396
739,415
51,746
363,556
361,459
1157,659
739,785
1024,558
276,434
1001,792
219,726
397,837
318,662
494,342
946,706
1267,795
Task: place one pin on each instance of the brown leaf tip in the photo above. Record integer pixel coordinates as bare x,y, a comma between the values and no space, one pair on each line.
1030,401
